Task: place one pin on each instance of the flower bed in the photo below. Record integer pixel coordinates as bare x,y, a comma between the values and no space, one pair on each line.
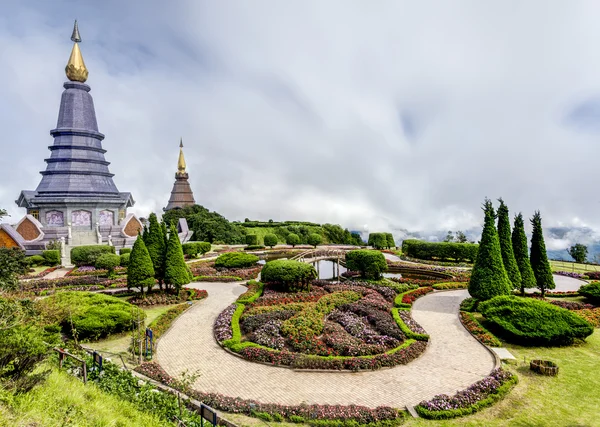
205,271
36,286
591,315
474,327
408,298
335,326
548,294
93,271
479,395
163,298
353,414
569,274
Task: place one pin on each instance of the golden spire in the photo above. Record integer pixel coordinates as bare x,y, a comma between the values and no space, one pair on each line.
75,69
181,161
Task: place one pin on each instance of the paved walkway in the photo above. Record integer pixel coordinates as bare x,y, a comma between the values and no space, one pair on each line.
61,272
563,284
452,361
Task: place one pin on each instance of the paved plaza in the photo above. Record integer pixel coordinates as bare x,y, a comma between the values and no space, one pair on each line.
453,360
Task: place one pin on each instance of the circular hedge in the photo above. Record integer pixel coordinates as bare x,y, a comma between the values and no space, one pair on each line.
529,321
288,274
370,264
236,260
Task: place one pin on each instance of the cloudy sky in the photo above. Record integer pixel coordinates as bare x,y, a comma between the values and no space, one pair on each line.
389,114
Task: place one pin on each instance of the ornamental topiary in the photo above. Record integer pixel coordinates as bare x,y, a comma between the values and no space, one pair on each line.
292,239
51,257
521,251
314,239
251,239
529,321
177,272
270,240
123,251
378,240
508,256
124,259
489,278
539,259
390,240
108,262
140,272
289,275
155,244
591,291
371,264
87,255
236,260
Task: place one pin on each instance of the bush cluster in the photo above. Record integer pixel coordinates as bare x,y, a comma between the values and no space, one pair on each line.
379,240
591,291
87,255
288,275
51,257
193,249
370,264
236,260
440,250
124,251
34,260
124,259
251,239
529,321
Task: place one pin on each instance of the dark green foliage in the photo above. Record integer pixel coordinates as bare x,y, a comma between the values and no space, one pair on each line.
508,256
251,239
253,247
440,250
108,262
314,239
378,240
92,316
371,264
288,275
389,237
87,255
140,272
292,239
35,260
12,264
51,257
270,240
529,321
578,252
521,251
207,226
539,259
236,260
195,248
124,259
124,251
591,291
489,278
176,272
155,243
469,305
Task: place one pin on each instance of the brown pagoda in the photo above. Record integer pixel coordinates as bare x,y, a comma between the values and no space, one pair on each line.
181,195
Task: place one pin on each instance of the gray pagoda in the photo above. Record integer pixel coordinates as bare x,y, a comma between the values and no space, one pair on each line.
77,188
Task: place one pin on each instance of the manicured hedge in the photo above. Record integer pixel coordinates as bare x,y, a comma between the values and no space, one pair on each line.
236,260
51,257
124,251
440,250
292,239
87,255
288,274
529,321
35,260
378,240
370,264
108,262
195,248
124,259
253,247
270,240
251,239
591,291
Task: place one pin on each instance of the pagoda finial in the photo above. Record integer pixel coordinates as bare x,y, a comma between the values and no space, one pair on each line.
75,69
181,161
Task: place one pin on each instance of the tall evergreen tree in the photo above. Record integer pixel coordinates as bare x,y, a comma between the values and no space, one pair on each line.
176,270
508,255
489,278
140,271
521,251
145,233
155,242
165,231
539,259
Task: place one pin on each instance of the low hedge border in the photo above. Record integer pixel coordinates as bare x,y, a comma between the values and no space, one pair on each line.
461,412
224,279
475,328
405,329
419,292
450,285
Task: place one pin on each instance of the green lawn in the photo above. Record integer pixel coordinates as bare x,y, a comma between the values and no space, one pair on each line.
573,267
63,400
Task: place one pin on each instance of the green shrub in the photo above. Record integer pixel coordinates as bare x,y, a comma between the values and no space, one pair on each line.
124,259
440,250
378,240
292,239
204,247
289,275
51,257
591,291
314,239
236,260
124,251
534,322
140,272
270,240
87,255
190,249
92,316
390,240
35,260
370,263
253,247
177,272
108,262
251,239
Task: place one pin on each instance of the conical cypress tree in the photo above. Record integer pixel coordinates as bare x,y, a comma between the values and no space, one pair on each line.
489,278
140,272
521,251
176,271
155,242
508,256
145,233
539,259
165,232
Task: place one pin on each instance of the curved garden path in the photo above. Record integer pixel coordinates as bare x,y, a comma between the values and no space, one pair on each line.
452,361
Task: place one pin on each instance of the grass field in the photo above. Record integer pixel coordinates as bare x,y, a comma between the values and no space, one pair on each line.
573,266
